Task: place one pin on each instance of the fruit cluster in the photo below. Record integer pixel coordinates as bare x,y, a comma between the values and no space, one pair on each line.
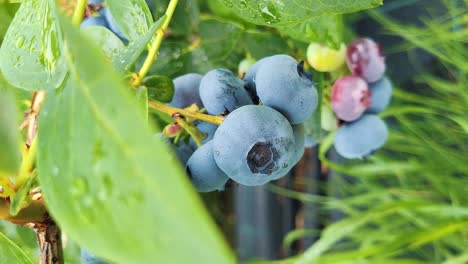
256,143
358,97
262,135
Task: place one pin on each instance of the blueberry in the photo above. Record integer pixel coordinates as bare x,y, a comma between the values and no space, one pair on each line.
361,138
254,145
112,25
186,91
221,91
350,97
89,258
94,21
381,93
298,131
365,59
205,174
249,79
281,84
309,142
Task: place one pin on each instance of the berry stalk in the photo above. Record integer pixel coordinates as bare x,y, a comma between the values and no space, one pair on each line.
79,11
217,120
193,132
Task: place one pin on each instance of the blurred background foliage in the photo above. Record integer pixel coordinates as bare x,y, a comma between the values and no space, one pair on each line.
408,203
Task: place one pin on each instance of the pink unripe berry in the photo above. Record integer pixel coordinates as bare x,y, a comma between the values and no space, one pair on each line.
350,97
365,59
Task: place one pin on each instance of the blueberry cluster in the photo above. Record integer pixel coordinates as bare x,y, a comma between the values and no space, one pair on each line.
357,98
99,15
262,135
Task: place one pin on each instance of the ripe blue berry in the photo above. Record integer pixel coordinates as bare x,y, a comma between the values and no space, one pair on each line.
361,138
309,142
221,91
298,131
350,97
281,84
249,79
205,174
94,21
186,91
381,93
254,145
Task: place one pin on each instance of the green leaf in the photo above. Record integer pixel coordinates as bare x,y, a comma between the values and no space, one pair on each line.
114,187
160,88
133,17
326,30
276,13
9,140
129,55
263,44
11,253
30,56
219,38
110,44
6,16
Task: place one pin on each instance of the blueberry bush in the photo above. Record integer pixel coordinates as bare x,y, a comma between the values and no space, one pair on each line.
116,115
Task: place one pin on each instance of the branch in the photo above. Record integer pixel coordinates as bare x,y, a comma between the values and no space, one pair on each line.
217,120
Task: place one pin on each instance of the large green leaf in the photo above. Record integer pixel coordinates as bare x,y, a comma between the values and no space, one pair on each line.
160,88
109,183
133,17
263,44
11,253
30,55
6,16
219,38
275,13
327,30
9,140
110,44
129,55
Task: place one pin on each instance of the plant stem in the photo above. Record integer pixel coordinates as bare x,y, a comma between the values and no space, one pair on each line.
79,11
153,52
195,134
29,158
50,243
217,120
